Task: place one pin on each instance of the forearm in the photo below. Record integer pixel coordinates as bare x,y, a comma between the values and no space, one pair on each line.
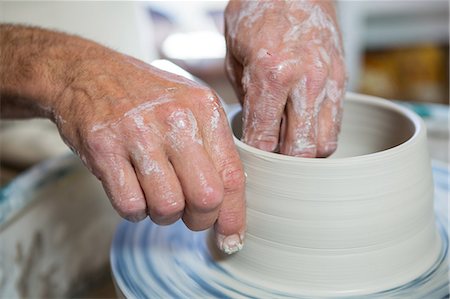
36,66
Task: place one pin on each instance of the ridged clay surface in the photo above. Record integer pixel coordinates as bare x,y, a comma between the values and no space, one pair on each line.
358,222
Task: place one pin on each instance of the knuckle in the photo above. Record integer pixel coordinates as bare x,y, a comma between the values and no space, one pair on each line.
276,69
278,75
179,121
208,96
97,143
208,199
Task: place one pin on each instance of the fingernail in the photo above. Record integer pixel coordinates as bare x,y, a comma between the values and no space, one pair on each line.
230,244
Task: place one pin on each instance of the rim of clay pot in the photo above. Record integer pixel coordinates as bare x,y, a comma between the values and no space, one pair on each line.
350,96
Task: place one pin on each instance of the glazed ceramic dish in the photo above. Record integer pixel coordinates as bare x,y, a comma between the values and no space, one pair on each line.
358,223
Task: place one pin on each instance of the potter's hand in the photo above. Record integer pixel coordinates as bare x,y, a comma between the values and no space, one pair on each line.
285,61
159,143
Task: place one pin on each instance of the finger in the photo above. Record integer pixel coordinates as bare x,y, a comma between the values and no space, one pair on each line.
328,122
302,112
264,103
230,225
202,187
329,118
234,73
163,193
330,114
122,187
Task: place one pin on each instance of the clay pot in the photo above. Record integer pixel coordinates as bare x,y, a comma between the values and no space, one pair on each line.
358,222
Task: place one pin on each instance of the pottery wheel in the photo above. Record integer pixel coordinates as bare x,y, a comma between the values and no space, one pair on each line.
151,261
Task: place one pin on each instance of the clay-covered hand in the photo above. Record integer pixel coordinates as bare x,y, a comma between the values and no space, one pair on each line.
160,144
285,61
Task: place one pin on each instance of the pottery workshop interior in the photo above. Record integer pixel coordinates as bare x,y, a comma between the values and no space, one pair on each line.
215,149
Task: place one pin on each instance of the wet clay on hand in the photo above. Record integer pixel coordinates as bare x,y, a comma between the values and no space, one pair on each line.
285,61
160,143
161,146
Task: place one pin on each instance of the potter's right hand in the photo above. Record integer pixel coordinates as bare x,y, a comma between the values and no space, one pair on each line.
159,143
285,61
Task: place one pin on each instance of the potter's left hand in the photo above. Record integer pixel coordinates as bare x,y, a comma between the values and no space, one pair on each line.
285,61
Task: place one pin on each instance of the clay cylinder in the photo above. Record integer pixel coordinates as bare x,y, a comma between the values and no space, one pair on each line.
358,222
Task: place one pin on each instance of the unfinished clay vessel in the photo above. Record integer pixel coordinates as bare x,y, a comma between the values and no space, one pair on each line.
358,222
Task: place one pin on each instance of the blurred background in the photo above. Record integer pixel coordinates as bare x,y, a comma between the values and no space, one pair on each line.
394,49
